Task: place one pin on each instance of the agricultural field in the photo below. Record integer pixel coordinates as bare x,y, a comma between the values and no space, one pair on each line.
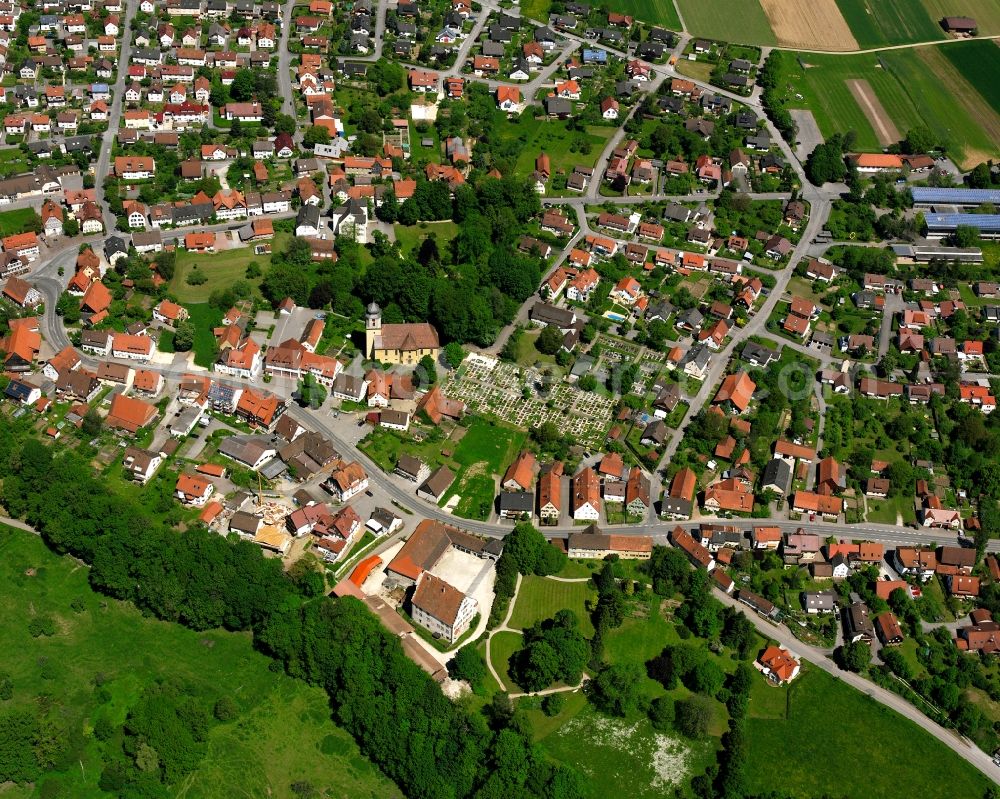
658,12
221,268
282,733
817,25
541,598
986,13
886,22
979,63
796,722
737,21
906,84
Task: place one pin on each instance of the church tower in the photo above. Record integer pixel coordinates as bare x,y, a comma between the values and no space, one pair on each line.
373,328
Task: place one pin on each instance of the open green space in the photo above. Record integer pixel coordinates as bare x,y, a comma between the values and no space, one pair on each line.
410,237
737,21
658,12
484,450
986,13
979,63
816,715
105,654
13,162
536,9
16,221
541,598
626,756
477,492
502,646
527,353
221,268
205,319
887,511
699,70
565,149
875,24
385,446
491,444
908,85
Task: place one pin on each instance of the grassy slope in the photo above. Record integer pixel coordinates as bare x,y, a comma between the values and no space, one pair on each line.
502,646
826,726
283,732
737,21
875,24
979,63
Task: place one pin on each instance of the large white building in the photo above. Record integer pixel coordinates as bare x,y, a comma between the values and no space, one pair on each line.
441,608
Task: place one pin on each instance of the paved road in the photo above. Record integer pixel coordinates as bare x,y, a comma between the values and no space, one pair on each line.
107,139
893,305
819,657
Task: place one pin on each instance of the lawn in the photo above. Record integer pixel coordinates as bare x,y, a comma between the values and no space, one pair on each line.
699,70
283,733
824,716
574,569
737,21
541,598
907,83
502,646
491,444
527,353
875,24
205,319
411,237
13,162
222,269
16,221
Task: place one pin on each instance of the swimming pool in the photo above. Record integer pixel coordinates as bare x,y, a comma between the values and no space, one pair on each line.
614,317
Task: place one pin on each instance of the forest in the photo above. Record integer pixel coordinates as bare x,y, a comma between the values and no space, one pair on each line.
468,290
399,716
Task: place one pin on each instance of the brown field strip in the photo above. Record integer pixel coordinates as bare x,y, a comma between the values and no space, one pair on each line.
880,121
812,25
